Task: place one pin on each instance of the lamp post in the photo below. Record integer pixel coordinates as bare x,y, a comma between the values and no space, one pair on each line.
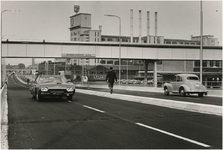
4,71
6,35
119,45
201,43
6,11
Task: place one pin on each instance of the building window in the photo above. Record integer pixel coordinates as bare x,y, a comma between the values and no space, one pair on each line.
102,61
215,63
197,63
159,62
109,62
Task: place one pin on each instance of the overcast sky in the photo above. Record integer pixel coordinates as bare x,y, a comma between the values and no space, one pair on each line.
50,20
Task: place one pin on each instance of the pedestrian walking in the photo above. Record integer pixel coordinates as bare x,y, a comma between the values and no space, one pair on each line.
110,78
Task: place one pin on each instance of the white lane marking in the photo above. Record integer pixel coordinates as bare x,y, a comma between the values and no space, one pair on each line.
93,108
174,135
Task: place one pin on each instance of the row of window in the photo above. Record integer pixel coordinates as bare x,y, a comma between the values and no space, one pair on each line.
208,63
74,33
183,43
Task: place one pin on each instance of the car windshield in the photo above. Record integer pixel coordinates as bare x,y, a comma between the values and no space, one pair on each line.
193,78
52,80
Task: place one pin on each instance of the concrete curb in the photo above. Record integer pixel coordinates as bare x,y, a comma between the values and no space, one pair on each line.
187,106
144,89
4,118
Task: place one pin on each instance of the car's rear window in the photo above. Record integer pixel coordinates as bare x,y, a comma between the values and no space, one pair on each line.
192,78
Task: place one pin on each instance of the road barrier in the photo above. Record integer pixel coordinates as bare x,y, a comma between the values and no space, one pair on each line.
4,118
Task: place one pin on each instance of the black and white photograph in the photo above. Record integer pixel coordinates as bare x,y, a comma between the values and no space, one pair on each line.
111,74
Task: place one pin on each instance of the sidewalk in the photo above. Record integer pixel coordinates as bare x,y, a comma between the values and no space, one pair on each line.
211,92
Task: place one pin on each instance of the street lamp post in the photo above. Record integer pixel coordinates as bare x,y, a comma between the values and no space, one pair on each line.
201,44
119,45
4,72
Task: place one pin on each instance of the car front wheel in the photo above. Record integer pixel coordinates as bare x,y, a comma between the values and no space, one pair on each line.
33,96
166,92
200,94
38,97
69,98
182,92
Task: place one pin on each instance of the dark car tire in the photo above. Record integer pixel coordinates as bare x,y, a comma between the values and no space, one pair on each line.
182,92
200,94
33,96
166,91
69,97
38,96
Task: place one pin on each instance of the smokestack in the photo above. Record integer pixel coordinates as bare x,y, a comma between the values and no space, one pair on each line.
140,25
155,27
131,25
148,27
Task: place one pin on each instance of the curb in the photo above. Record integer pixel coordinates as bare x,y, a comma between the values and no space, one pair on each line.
132,88
186,106
4,118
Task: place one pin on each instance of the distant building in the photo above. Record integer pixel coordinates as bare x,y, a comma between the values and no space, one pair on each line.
80,30
208,40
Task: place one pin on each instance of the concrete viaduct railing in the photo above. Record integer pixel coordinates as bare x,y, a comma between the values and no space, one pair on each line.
29,49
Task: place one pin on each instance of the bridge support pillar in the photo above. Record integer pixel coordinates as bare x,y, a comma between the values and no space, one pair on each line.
145,71
155,74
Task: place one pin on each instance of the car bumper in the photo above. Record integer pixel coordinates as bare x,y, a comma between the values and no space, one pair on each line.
197,92
57,93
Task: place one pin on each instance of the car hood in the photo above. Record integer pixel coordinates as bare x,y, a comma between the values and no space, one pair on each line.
57,85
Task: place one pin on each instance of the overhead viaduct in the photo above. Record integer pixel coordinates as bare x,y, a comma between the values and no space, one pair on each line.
109,50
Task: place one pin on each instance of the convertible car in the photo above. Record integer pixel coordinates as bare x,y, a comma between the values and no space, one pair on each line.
185,84
51,85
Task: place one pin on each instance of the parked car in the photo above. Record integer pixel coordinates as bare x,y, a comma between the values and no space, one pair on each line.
185,84
51,85
136,81
150,81
123,81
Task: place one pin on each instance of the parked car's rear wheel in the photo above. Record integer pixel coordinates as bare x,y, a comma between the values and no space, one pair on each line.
182,91
166,92
200,94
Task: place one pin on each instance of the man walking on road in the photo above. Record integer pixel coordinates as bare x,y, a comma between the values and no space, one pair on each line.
110,78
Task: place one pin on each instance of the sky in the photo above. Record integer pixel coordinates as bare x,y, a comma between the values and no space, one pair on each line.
50,20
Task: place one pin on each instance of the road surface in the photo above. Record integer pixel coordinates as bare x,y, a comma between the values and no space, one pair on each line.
104,123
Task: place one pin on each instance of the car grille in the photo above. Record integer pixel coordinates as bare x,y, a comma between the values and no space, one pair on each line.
57,91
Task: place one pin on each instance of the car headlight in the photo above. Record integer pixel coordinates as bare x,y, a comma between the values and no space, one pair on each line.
44,89
70,89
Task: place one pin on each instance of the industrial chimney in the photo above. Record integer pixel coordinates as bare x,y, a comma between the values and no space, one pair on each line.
155,27
131,25
140,26
148,27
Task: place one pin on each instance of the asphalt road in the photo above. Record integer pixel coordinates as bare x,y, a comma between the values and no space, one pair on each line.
104,123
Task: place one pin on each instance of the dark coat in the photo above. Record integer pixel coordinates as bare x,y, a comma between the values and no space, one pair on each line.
111,76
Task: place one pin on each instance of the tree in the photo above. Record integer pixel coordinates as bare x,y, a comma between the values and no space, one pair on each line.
21,66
